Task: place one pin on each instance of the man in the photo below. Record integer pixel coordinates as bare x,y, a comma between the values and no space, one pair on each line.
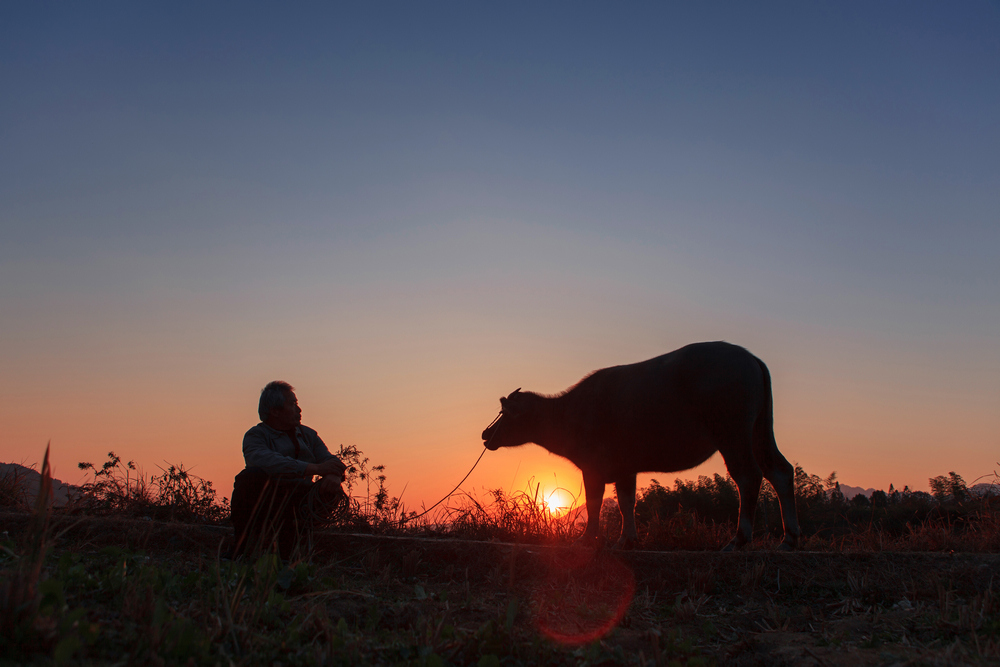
275,492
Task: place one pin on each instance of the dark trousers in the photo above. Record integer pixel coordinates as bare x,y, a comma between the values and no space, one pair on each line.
266,509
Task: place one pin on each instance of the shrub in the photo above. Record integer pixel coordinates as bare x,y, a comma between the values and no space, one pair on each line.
13,493
175,495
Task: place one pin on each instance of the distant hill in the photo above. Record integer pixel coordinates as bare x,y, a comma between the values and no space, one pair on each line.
977,490
985,489
851,491
29,479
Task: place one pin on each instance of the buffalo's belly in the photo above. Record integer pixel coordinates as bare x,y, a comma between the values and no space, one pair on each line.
631,458
674,457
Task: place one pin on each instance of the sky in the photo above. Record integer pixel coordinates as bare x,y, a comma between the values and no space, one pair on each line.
407,210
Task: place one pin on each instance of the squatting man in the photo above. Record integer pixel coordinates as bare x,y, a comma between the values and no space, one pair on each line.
274,497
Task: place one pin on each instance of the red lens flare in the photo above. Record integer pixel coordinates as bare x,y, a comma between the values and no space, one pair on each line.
584,596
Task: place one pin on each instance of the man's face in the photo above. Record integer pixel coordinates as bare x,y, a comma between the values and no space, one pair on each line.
287,416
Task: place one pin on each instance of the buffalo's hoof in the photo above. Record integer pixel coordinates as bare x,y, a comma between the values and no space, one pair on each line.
786,546
624,544
733,546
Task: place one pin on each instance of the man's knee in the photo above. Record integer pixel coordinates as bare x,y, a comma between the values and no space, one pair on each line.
249,476
249,483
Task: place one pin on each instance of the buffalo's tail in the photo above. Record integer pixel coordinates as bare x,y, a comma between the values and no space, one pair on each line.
765,449
776,468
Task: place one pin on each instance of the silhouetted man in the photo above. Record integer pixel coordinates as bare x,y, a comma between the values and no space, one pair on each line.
274,494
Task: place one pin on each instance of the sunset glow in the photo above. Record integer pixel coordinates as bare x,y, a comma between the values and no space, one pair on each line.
407,212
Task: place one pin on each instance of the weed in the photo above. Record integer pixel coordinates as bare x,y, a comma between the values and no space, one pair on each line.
13,491
404,602
120,489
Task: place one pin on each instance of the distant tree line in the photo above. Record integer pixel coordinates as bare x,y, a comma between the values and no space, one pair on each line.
823,510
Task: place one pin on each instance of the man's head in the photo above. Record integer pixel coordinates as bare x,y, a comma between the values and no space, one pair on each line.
278,406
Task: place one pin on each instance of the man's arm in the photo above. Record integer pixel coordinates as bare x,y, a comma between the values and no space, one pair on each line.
258,455
331,466
327,463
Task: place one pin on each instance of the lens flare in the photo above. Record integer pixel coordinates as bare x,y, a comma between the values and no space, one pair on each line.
585,597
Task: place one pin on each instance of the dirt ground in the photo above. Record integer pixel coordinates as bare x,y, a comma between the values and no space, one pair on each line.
576,605
750,607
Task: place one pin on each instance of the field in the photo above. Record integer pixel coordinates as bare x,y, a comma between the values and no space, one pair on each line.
500,584
142,592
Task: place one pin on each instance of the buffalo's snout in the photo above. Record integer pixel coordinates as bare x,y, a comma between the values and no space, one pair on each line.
488,436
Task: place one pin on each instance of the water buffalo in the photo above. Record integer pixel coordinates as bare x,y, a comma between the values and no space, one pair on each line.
666,414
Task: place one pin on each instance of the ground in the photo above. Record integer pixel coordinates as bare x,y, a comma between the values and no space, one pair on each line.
145,592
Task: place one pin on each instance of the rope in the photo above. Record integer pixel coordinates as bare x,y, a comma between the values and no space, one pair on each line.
485,447
323,511
411,518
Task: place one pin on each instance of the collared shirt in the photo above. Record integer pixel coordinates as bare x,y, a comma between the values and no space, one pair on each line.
271,449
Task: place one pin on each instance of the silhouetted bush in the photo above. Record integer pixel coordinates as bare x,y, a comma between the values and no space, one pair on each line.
13,493
368,509
123,490
699,514
913,518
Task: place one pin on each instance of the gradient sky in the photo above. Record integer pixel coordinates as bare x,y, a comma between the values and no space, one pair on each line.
406,210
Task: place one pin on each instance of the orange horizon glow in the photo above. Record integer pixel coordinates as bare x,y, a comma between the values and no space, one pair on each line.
408,225
867,412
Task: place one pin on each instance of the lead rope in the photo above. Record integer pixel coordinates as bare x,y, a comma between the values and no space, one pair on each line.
313,499
417,516
485,447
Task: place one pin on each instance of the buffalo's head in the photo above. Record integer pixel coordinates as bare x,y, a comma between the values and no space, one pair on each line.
509,428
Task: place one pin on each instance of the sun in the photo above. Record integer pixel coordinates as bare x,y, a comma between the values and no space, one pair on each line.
558,502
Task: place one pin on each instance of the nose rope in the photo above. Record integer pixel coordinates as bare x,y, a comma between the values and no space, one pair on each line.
495,420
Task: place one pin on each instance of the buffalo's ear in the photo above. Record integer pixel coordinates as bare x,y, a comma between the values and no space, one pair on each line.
514,392
503,400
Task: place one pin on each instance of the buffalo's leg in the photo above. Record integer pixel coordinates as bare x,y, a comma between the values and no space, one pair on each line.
747,475
780,473
625,488
593,487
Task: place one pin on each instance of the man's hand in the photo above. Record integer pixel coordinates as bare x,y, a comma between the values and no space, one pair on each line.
332,467
329,487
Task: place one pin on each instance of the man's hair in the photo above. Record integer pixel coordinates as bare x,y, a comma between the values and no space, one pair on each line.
272,396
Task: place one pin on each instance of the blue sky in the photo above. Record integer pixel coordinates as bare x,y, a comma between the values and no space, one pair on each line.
407,210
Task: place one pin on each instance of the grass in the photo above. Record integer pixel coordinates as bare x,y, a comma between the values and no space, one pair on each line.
133,575
513,517
13,492
356,599
120,489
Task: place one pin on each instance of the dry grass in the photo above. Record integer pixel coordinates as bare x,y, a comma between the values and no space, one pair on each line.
689,516
972,526
868,588
515,517
113,589
121,489
20,596
13,489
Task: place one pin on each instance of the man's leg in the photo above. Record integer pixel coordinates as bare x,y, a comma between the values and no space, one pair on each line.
293,498
265,509
249,508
